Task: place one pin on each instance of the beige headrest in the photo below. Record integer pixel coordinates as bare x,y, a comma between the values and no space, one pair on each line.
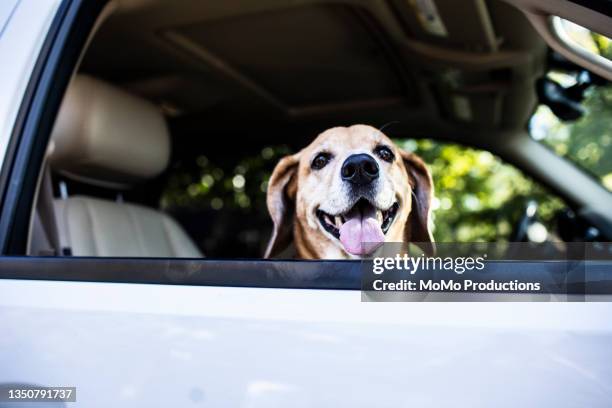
108,137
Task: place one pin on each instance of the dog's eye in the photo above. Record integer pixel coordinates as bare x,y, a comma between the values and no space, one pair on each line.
320,161
384,153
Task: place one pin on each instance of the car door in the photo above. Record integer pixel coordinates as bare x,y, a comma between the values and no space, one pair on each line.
251,333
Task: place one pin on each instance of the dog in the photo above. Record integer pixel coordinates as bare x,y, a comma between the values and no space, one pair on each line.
346,193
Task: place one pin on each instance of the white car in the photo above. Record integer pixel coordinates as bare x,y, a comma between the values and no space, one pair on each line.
103,285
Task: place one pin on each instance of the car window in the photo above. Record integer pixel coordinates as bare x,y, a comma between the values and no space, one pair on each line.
199,187
587,141
478,197
575,118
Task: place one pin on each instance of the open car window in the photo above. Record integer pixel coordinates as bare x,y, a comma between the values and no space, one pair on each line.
575,118
586,142
165,146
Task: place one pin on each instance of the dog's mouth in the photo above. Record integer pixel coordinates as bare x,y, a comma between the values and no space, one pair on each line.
361,229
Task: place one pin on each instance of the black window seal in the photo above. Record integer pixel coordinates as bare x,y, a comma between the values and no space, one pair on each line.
258,273
277,274
52,71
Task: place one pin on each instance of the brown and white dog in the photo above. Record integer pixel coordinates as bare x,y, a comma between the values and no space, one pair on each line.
346,193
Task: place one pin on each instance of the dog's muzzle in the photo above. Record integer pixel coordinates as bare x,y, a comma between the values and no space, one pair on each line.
362,228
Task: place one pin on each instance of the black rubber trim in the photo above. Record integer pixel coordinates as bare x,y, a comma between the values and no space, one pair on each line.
55,64
200,272
288,274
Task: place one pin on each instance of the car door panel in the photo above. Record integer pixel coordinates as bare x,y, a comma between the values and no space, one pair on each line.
126,344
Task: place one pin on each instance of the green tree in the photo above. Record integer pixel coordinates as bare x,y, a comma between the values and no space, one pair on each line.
477,196
587,141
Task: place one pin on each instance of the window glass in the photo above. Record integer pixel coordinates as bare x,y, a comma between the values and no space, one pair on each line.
587,141
575,119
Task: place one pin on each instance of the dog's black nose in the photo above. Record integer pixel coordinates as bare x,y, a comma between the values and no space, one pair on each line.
359,169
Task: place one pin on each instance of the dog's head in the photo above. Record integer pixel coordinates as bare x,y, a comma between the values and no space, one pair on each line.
347,192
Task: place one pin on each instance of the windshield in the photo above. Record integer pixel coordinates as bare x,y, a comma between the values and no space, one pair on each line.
575,114
588,141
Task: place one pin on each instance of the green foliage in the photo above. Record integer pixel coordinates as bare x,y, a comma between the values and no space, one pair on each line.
477,196
206,184
603,44
587,141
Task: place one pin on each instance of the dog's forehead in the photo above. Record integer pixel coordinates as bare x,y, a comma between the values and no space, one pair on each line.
348,138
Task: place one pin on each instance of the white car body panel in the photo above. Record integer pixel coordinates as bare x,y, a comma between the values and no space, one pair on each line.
132,345
7,7
21,38
126,345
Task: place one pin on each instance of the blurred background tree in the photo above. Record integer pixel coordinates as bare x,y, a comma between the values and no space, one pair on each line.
477,196
586,142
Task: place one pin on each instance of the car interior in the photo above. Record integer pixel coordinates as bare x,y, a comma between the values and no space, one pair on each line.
167,89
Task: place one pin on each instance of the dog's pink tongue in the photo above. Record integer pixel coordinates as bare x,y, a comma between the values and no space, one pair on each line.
361,235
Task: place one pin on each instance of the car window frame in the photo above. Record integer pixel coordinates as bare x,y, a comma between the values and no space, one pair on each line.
55,64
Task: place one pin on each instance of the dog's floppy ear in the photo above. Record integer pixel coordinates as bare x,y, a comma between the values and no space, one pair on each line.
417,226
282,189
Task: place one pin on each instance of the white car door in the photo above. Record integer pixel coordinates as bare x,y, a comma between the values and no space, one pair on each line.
193,344
142,332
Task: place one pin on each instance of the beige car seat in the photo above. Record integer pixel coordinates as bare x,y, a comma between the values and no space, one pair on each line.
106,137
